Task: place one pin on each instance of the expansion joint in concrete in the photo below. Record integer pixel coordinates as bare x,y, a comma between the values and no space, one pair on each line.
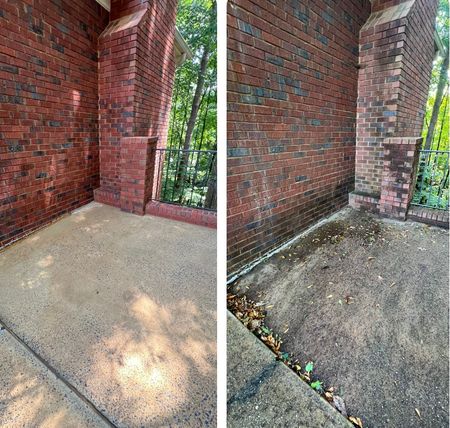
5,328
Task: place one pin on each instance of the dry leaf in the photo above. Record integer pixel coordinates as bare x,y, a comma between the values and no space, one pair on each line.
330,296
370,258
418,413
328,396
349,300
356,421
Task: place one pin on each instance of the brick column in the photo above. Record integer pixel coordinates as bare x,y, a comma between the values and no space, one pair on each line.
137,167
400,156
136,72
396,54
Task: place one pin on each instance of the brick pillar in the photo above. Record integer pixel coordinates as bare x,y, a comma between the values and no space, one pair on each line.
137,167
400,156
136,72
396,55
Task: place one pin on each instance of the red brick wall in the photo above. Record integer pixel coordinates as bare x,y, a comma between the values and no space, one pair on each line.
418,54
292,90
155,68
48,110
137,68
395,66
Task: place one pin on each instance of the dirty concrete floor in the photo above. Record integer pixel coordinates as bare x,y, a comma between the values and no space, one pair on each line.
123,307
367,301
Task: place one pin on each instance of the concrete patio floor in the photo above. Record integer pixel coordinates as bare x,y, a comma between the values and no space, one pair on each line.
366,300
121,307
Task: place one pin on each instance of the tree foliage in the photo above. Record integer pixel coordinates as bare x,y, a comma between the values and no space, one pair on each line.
197,23
440,137
432,181
189,178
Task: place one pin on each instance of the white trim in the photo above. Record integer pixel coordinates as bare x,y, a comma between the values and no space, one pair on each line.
183,46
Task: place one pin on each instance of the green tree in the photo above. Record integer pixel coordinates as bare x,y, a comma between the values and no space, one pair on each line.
435,131
189,178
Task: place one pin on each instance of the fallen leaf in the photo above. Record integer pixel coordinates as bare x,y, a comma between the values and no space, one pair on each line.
356,421
370,258
418,413
349,300
309,367
330,296
309,286
380,278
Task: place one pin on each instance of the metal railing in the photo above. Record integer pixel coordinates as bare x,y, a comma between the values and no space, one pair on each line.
186,177
432,180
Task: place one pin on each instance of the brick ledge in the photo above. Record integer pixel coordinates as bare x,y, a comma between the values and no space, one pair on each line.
177,212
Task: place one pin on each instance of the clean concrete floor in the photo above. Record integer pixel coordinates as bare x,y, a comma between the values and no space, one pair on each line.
386,352
120,306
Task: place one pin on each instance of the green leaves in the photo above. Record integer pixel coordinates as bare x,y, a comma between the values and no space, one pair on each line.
309,367
317,385
265,330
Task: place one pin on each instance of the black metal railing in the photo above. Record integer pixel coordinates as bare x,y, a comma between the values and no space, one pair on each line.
432,179
186,177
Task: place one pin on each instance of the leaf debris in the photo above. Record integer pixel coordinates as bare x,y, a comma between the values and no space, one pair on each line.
252,315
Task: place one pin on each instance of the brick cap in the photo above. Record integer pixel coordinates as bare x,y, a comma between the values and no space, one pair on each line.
123,23
403,140
152,139
392,13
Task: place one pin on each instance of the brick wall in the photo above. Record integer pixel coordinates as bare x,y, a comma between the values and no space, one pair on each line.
48,110
137,68
292,91
396,54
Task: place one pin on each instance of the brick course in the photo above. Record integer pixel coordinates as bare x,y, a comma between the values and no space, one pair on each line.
48,110
292,90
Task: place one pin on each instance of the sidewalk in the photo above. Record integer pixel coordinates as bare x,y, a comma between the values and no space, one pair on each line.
263,392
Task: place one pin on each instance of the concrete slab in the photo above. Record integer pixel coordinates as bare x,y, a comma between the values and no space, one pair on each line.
367,300
263,392
32,396
124,308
